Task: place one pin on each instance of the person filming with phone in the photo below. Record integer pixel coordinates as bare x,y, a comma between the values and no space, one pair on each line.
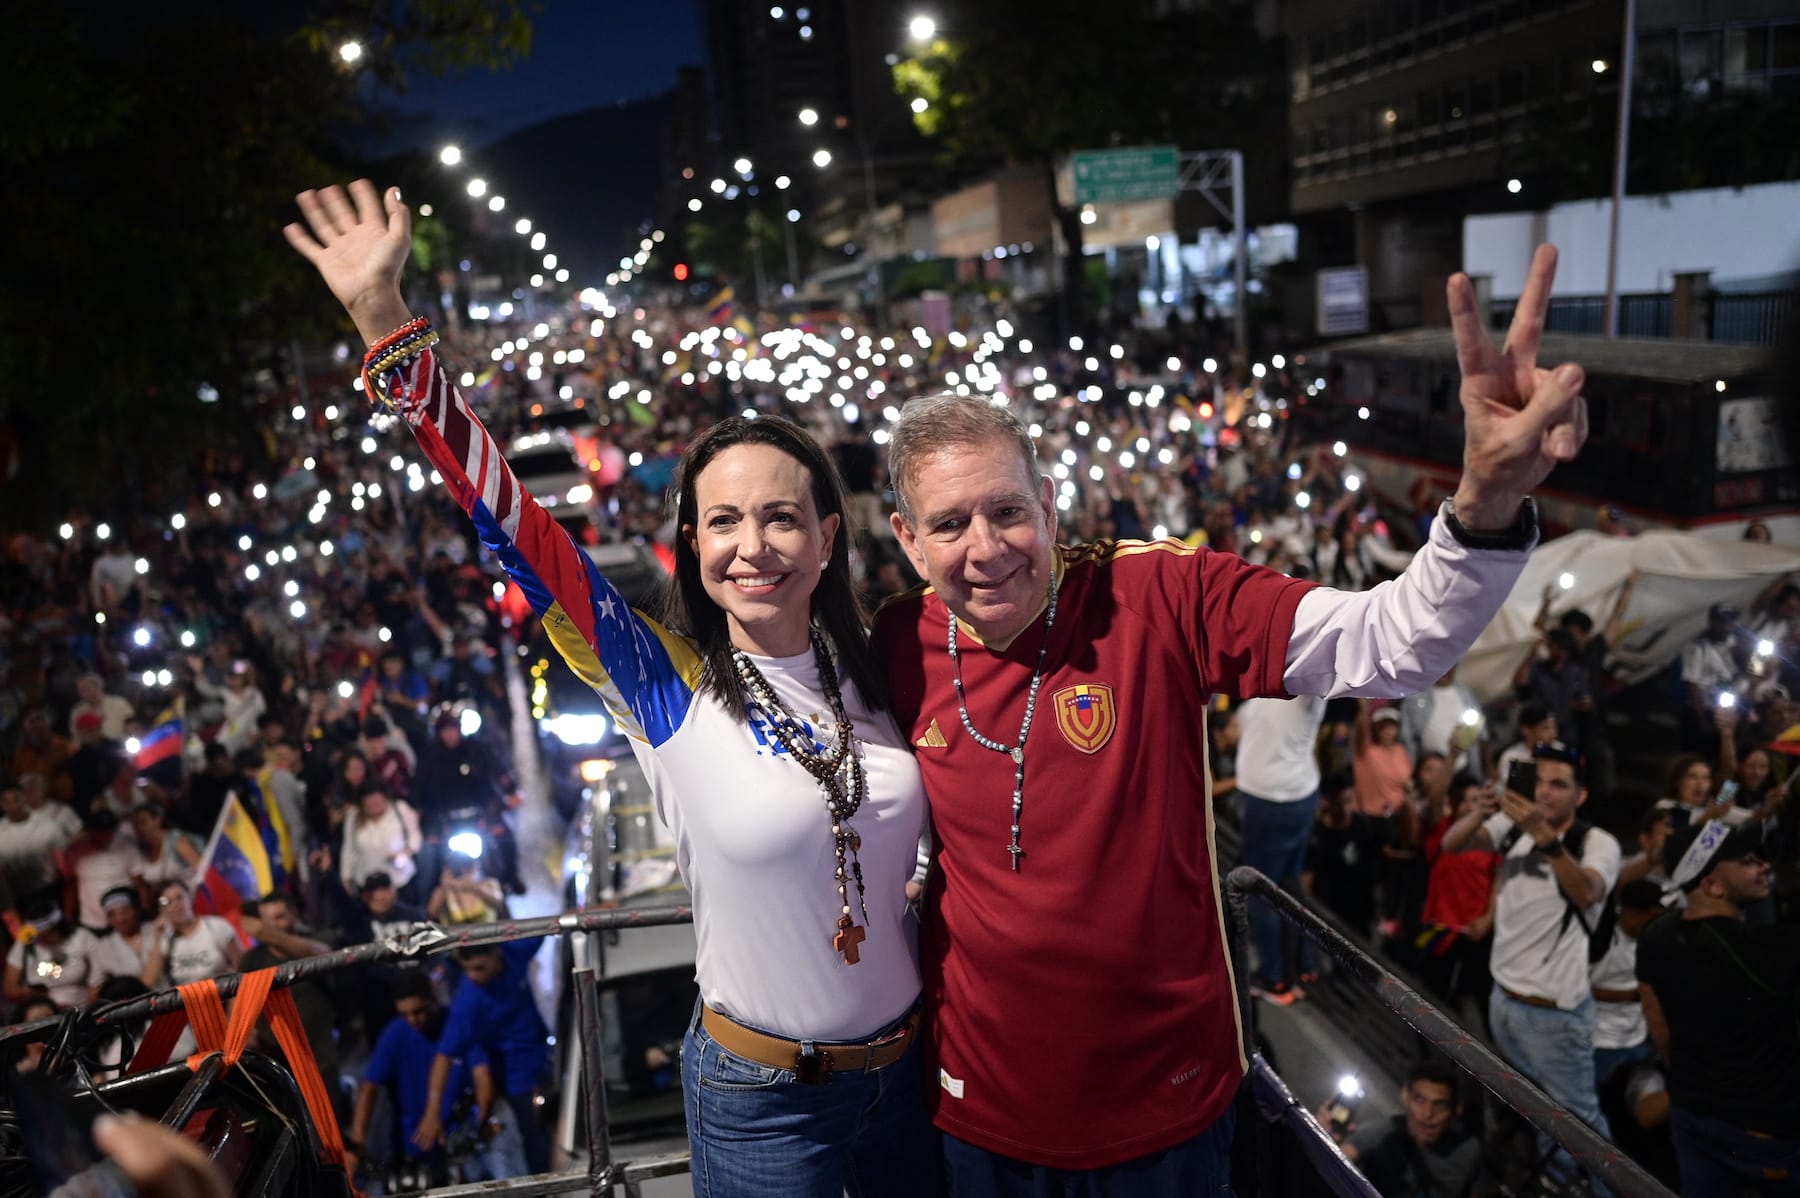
1555,873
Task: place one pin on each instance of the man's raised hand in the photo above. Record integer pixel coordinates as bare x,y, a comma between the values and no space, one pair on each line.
1519,419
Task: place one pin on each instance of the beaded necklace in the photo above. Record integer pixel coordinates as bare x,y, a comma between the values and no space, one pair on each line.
843,795
1016,752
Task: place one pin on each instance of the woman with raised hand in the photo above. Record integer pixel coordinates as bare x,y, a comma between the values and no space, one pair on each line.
757,712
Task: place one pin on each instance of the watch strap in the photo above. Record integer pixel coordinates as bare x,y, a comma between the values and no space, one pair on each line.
1516,537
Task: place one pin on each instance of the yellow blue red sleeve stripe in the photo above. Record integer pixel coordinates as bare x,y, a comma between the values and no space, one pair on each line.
646,674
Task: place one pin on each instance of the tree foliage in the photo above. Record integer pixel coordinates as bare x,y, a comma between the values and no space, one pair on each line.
142,196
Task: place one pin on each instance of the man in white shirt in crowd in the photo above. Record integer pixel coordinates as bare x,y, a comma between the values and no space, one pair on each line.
1555,875
29,842
1445,719
1537,726
90,690
38,799
1278,777
1710,663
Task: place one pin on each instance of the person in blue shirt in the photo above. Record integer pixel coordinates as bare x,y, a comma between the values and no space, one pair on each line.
494,1011
401,1062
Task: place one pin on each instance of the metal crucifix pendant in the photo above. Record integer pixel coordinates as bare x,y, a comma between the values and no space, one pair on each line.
1016,852
847,938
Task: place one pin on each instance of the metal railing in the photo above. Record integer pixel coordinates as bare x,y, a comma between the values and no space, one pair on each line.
602,1173
1590,1149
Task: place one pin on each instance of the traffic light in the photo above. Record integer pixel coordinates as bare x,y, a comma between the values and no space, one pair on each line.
681,272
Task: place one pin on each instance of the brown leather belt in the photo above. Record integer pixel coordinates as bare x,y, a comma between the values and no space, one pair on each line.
824,1059
1530,1000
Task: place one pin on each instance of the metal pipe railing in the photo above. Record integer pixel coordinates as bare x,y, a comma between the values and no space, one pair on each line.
1590,1149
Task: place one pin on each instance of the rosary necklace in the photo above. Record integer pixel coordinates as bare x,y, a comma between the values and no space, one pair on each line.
843,795
1016,752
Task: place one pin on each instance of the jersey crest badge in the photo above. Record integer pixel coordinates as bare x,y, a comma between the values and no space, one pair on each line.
1086,714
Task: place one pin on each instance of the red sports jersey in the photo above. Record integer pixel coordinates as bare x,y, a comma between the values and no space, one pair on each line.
1083,1009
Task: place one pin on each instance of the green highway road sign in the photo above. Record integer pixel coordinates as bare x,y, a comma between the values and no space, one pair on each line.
1121,176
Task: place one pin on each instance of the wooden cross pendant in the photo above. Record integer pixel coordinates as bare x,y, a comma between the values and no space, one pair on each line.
847,938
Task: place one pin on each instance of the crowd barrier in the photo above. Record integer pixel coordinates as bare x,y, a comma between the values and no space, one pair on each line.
1599,1156
602,1174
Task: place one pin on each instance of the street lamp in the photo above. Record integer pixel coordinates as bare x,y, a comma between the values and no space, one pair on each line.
694,204
920,104
809,117
450,155
477,188
718,186
742,167
523,227
922,28
496,203
821,158
351,53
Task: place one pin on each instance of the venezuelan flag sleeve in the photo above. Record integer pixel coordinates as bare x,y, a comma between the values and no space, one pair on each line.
646,674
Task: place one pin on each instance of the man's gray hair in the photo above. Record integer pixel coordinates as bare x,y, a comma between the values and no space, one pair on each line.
934,423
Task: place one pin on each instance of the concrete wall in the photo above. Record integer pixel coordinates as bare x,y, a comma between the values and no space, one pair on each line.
1750,235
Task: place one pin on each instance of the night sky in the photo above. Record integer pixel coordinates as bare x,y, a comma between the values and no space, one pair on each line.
584,54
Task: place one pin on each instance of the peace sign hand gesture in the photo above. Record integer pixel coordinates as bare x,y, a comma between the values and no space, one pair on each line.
358,242
1519,419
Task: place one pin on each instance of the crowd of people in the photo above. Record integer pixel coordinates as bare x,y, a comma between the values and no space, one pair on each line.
323,631
1499,854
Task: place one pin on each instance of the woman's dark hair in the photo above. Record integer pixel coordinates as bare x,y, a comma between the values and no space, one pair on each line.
1678,769
836,606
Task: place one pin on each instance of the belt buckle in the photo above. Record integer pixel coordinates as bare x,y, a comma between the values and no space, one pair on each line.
812,1065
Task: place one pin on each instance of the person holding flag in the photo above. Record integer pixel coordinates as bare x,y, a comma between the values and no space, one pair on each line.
236,868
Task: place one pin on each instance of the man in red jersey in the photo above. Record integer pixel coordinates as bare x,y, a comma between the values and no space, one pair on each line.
1085,1030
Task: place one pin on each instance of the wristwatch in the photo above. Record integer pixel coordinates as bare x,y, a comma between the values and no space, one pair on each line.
1517,537
1555,848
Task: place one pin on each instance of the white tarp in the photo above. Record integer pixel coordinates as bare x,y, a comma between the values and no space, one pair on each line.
1683,574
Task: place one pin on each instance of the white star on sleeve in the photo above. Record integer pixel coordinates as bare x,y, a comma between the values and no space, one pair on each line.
607,608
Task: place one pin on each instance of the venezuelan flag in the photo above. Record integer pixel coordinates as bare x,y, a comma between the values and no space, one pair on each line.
161,743
720,308
235,868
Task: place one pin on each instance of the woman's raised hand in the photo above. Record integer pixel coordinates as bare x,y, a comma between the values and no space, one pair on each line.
358,241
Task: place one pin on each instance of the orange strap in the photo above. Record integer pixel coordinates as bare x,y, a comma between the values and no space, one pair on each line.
284,1017
202,1007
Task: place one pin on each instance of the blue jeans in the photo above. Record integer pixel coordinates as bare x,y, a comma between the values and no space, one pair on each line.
1201,1165
755,1130
1555,1049
503,1156
1718,1160
1275,840
1608,1061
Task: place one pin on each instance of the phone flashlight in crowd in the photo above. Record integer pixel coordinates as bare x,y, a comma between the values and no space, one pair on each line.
1470,717
1341,1110
1727,700
1566,581
1765,648
1727,792
346,689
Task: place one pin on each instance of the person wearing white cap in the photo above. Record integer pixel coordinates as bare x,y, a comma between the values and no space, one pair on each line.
1720,998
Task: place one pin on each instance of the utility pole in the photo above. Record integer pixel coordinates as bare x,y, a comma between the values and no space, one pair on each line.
1621,152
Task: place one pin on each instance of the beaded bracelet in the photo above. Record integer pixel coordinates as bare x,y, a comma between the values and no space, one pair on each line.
394,356
406,345
417,324
411,348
